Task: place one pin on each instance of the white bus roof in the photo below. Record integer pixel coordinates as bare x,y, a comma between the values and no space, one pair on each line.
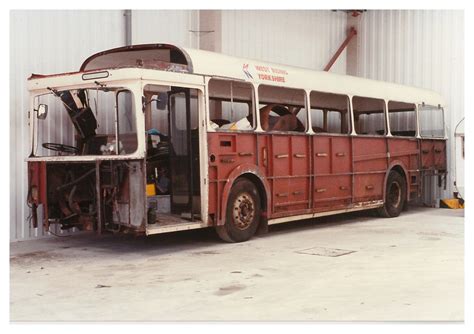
176,59
216,64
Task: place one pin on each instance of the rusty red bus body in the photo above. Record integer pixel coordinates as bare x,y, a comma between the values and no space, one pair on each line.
311,174
297,175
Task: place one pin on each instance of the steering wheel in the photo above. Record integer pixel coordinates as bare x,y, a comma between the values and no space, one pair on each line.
61,148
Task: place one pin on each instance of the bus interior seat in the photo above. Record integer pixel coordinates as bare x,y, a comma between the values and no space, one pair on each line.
408,133
285,121
318,129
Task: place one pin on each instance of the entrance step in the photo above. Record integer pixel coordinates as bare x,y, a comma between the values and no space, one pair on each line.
171,223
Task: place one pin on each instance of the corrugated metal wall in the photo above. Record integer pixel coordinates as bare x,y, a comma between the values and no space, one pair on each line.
301,38
423,48
47,42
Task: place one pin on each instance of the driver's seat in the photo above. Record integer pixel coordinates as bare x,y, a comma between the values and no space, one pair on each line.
91,146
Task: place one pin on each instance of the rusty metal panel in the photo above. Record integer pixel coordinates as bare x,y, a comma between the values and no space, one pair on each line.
406,151
300,170
321,155
332,192
332,167
280,152
226,152
370,154
433,154
427,154
289,173
370,166
439,147
341,157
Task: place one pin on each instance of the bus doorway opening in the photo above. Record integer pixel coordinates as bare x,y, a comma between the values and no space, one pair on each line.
172,163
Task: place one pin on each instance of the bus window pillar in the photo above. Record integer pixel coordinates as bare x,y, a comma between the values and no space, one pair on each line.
207,108
309,120
417,112
258,127
351,110
388,132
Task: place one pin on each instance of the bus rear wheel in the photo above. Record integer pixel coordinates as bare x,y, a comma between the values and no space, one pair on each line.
242,213
395,195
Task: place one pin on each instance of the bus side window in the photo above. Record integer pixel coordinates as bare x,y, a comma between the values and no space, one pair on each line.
369,116
231,105
282,109
431,121
402,118
329,113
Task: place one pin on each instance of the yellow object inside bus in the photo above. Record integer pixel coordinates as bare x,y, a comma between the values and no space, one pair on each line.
150,189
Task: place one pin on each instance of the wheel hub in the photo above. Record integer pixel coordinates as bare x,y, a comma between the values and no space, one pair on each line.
395,194
243,211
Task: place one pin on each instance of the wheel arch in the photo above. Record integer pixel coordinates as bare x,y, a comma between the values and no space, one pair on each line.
254,175
400,168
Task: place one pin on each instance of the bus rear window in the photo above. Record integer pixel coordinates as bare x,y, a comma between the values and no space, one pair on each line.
431,121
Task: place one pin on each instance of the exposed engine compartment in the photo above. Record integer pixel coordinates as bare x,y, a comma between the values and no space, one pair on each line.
72,194
72,197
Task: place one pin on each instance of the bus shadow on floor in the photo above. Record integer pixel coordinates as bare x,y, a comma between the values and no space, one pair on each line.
321,222
352,218
195,241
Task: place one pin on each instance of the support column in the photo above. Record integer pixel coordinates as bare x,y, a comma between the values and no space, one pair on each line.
210,30
127,14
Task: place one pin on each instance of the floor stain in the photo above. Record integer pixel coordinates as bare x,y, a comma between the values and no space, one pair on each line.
227,290
32,257
430,238
206,253
437,234
256,275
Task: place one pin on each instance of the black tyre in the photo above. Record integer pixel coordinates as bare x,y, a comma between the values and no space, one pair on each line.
242,213
395,195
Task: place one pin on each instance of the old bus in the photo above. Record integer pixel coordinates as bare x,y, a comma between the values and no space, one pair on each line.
156,138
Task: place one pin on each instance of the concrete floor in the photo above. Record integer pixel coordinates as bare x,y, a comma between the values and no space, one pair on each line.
406,268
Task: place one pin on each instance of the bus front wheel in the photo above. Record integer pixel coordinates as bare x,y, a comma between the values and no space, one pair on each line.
395,195
242,213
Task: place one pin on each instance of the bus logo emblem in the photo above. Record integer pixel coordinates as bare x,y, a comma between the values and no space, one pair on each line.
245,68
